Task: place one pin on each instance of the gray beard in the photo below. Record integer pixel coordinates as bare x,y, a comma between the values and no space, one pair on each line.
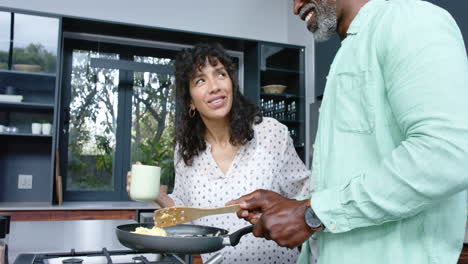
326,20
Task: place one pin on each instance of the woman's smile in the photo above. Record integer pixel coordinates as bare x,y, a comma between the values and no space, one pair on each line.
217,102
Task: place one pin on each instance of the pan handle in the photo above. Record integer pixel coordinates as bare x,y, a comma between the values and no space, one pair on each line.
234,238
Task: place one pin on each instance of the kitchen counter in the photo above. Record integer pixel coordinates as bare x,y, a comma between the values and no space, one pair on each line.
115,205
62,236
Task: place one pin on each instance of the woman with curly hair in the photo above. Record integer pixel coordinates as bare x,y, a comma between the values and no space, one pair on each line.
225,148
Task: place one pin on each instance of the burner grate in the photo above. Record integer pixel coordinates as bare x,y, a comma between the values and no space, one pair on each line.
103,257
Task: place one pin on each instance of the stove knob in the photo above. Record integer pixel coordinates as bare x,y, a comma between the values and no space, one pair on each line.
72,261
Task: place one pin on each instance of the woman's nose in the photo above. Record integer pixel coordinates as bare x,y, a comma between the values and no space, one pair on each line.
214,86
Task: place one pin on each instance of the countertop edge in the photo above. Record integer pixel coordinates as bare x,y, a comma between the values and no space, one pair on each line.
91,206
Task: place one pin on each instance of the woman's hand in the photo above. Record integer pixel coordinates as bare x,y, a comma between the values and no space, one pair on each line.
129,180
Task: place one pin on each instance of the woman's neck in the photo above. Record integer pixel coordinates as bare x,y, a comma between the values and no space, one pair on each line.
217,131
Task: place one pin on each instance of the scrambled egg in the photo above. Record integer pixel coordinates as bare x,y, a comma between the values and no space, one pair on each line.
155,231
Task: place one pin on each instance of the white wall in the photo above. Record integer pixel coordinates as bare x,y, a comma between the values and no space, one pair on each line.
251,19
298,34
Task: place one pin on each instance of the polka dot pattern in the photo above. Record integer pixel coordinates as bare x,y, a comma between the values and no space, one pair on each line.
269,161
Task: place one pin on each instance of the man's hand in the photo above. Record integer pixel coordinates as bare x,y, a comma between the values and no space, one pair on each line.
254,204
275,217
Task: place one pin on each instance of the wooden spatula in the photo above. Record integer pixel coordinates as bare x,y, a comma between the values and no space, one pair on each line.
178,215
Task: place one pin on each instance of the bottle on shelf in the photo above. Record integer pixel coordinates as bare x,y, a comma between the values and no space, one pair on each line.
291,111
293,134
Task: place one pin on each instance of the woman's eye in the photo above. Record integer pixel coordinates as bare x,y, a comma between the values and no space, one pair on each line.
199,81
221,74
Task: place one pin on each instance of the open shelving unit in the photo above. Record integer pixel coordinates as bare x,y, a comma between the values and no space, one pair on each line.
26,105
272,63
22,152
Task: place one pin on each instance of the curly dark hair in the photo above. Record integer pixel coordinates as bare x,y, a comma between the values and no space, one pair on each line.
190,131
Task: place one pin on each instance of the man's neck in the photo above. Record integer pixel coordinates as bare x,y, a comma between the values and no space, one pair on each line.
346,12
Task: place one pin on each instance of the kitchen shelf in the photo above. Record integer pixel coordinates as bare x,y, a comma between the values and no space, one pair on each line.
33,74
28,83
25,135
284,121
280,96
27,105
280,70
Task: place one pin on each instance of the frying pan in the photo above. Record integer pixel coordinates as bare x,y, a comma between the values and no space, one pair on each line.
183,239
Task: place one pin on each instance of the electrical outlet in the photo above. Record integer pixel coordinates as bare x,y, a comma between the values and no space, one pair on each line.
25,181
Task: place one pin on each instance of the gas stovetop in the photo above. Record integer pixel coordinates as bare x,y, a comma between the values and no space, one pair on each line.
103,257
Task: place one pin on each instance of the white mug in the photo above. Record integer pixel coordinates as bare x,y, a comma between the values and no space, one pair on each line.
144,184
36,128
46,128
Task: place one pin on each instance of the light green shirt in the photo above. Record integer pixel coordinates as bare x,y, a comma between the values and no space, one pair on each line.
391,154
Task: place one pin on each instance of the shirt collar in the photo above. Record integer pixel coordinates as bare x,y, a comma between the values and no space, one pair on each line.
363,16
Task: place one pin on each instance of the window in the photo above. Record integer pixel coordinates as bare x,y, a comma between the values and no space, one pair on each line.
118,104
118,109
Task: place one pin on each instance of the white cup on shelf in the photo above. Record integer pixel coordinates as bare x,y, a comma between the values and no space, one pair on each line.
36,128
2,129
46,128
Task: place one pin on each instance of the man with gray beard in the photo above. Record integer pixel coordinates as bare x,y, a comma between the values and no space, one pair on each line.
390,156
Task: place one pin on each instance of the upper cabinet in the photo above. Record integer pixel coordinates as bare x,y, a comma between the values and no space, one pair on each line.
35,41
278,58
28,59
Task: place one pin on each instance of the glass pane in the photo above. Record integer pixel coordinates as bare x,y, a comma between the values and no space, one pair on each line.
93,122
153,112
5,25
35,43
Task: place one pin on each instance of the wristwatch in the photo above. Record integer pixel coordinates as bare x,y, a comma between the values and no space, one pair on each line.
311,218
